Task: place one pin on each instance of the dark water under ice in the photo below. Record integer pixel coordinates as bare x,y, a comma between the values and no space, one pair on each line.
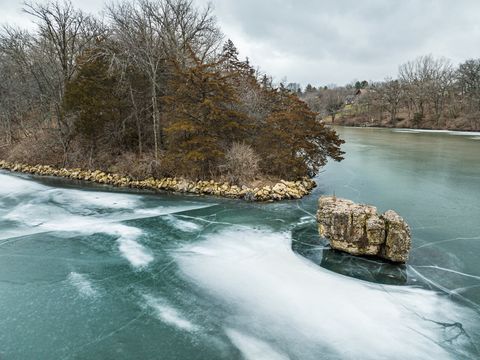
88,272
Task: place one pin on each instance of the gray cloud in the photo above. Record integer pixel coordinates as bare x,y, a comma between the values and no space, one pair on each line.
335,41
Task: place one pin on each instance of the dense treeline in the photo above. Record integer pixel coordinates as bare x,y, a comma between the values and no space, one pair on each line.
428,93
149,90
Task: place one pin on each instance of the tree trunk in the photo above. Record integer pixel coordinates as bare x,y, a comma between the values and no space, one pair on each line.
155,117
137,121
92,154
9,131
393,116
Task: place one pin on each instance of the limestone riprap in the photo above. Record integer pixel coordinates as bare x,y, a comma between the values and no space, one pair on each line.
280,191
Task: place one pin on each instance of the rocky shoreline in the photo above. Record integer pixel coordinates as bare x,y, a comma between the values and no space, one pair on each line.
282,190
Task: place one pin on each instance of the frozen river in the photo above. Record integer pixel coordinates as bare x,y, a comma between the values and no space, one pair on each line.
88,272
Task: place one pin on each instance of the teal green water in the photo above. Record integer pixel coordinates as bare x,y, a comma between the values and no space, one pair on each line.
89,272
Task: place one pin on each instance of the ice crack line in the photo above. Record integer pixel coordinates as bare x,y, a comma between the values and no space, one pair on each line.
448,270
445,290
445,241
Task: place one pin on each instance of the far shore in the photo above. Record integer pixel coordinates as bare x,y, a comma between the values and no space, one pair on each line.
406,129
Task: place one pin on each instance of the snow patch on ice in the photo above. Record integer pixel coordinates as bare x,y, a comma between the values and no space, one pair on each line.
135,253
82,284
183,225
449,132
13,185
252,348
168,314
273,293
46,209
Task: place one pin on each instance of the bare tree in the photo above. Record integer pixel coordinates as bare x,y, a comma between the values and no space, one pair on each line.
441,85
185,29
468,75
334,100
15,81
64,33
151,33
390,93
427,82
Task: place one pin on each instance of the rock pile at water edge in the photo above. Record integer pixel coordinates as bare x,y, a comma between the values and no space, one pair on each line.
280,191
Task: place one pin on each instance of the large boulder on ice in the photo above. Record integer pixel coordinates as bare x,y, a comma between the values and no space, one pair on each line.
359,230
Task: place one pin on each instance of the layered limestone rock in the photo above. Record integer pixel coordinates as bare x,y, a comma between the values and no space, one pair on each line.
280,191
398,238
359,230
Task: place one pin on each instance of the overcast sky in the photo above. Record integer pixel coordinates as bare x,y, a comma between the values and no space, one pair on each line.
334,41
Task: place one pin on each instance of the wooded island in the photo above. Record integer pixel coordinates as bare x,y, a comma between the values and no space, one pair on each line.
151,90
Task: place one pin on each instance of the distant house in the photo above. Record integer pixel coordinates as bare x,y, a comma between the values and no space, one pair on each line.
349,99
352,99
361,92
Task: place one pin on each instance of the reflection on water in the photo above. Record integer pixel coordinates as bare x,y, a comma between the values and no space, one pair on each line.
306,242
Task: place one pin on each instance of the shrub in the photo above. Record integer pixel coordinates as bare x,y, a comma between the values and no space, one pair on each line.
241,163
137,167
417,119
43,148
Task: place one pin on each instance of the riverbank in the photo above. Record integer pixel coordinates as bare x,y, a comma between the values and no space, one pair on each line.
412,130
459,124
282,190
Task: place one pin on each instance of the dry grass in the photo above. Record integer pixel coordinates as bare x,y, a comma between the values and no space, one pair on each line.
40,149
241,164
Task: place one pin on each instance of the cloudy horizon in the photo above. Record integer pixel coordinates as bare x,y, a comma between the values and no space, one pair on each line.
331,42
